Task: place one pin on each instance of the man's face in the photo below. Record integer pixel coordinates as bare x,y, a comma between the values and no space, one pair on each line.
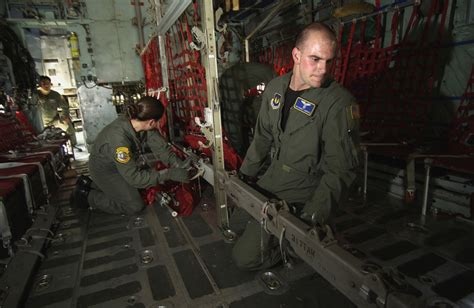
313,59
45,85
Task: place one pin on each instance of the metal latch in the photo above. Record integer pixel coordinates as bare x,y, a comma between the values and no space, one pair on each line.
5,230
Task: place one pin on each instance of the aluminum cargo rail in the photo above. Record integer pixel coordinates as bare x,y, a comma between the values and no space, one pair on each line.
364,283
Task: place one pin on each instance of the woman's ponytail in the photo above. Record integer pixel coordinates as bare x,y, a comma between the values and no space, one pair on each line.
132,111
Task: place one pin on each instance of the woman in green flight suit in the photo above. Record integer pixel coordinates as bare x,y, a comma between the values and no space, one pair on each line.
116,174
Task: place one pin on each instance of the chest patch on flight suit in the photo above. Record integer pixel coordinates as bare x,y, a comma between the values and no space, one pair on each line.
122,155
304,106
275,102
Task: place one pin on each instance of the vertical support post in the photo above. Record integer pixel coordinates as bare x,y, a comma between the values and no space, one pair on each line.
214,104
247,51
138,15
410,177
428,163
164,71
166,84
366,166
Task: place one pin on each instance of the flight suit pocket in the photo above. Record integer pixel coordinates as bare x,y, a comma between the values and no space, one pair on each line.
288,183
351,152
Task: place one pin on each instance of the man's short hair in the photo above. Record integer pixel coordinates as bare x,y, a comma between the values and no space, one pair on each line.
311,28
44,78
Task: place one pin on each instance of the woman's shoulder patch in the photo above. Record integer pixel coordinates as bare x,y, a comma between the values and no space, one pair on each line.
122,155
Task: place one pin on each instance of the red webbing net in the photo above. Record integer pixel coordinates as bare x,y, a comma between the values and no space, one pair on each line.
187,76
462,131
461,137
394,84
187,79
13,134
150,57
187,82
277,56
183,193
151,65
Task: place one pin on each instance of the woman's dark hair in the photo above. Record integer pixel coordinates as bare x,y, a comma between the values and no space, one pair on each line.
147,108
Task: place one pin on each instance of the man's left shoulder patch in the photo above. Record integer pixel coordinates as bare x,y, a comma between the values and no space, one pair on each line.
305,106
354,111
122,155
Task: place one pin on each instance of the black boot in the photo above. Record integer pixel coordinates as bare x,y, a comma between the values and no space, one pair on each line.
81,192
84,181
79,198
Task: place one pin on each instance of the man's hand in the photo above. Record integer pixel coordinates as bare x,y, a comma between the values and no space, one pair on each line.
64,119
251,180
315,214
308,218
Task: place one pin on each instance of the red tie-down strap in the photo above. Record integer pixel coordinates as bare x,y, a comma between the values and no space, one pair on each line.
232,160
25,123
185,196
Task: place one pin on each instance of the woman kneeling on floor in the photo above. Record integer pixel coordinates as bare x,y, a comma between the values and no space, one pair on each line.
116,173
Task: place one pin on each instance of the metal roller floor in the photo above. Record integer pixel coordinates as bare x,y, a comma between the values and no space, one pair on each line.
154,260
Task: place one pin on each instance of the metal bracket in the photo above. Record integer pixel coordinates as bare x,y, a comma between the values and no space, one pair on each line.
199,39
364,285
165,200
5,230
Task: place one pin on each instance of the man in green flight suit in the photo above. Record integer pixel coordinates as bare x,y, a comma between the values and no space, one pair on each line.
311,123
54,109
114,163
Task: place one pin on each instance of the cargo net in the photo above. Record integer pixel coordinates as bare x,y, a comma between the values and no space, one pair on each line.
185,73
278,56
152,66
187,78
187,81
395,83
462,130
150,57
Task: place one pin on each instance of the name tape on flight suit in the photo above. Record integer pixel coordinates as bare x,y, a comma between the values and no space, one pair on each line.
122,155
275,102
304,106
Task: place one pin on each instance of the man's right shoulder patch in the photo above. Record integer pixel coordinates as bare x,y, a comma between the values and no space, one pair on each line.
275,101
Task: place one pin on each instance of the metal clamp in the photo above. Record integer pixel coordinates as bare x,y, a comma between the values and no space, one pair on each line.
5,230
199,39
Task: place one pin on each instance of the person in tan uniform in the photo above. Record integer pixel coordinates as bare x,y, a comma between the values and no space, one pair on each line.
54,109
